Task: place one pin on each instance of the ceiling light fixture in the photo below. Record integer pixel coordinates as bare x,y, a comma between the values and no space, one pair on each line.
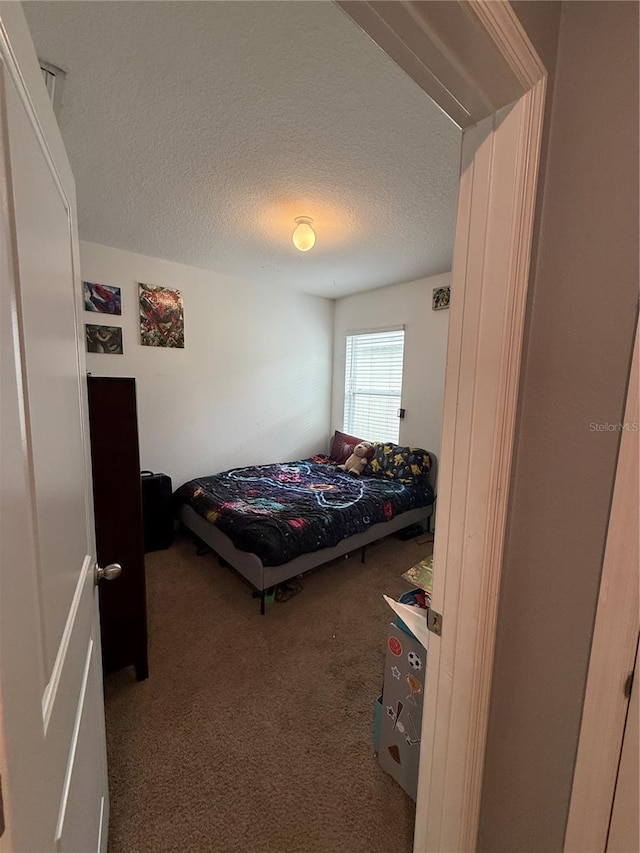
304,237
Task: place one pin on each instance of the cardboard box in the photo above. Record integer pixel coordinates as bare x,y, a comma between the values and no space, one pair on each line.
402,698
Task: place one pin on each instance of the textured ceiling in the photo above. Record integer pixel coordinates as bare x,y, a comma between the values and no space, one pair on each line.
197,132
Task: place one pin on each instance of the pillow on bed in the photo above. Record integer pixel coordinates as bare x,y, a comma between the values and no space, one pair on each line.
406,464
342,446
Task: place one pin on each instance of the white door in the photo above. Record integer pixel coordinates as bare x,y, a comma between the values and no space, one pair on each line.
52,740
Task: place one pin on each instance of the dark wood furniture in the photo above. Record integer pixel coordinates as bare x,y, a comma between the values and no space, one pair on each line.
117,500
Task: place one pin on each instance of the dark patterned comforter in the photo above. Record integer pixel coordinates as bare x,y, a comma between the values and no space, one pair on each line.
281,511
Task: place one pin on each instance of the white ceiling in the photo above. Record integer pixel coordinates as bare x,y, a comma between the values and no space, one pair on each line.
198,131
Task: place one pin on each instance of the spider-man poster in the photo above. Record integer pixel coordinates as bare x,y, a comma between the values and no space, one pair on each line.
161,317
102,298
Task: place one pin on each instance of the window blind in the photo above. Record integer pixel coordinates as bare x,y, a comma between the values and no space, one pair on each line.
373,385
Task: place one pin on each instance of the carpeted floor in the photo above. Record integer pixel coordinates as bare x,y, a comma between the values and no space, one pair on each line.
254,734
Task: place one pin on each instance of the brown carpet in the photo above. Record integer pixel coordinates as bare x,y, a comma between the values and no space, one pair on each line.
254,734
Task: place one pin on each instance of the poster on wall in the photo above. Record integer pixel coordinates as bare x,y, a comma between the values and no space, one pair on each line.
441,297
161,317
104,339
102,298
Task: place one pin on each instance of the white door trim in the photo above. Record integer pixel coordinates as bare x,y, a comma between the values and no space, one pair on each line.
490,275
476,55
613,649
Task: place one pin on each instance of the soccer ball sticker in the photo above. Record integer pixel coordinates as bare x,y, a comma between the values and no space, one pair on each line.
414,661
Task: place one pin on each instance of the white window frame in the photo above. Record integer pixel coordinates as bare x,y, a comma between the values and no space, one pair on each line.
380,427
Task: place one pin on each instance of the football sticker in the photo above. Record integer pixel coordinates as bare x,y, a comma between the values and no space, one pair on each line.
395,647
415,661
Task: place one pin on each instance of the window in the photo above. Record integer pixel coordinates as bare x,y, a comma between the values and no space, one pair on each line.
373,385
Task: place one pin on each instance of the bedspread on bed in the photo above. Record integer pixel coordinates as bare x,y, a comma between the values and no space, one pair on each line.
281,511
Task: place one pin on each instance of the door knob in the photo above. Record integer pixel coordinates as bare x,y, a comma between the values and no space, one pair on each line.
108,573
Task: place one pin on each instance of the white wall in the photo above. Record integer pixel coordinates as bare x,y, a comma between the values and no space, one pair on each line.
425,353
252,384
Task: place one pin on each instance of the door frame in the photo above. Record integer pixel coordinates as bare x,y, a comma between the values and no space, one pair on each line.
475,60
613,650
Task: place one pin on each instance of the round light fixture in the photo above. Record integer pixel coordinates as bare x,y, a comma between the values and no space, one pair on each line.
304,237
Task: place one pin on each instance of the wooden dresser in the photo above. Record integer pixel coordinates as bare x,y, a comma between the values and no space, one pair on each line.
118,517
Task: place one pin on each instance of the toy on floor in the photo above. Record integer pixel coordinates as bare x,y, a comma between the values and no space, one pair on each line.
287,590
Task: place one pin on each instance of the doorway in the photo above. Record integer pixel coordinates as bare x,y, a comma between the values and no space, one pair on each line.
502,117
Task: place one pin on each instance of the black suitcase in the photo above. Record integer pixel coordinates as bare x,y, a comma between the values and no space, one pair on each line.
157,510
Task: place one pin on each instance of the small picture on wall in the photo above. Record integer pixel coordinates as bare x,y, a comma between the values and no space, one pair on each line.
104,339
102,298
441,297
161,317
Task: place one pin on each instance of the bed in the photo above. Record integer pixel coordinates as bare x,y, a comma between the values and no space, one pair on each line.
274,522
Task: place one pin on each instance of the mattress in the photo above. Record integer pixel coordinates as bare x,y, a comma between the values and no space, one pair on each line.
282,511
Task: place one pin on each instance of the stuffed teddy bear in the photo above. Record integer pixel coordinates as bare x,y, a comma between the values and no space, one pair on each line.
355,464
